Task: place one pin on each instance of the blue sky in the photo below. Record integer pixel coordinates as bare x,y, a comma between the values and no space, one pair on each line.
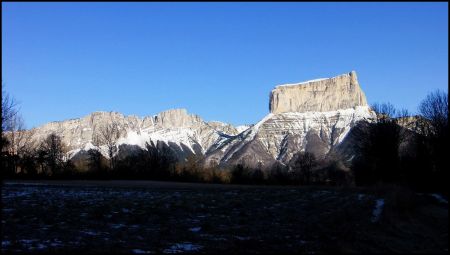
217,60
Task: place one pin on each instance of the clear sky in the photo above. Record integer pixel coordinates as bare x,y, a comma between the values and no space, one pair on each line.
217,60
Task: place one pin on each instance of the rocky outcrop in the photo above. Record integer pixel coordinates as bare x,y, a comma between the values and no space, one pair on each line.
321,95
176,118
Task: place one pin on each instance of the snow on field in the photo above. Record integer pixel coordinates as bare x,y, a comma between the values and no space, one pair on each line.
139,251
440,198
183,247
196,229
242,238
117,226
376,213
91,233
17,194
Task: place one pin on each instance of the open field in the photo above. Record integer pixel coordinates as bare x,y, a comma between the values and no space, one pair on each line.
159,217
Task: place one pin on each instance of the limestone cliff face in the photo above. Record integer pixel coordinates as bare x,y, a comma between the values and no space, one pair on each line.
176,118
76,133
322,95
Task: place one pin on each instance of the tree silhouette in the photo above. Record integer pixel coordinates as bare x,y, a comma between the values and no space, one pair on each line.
377,158
108,135
53,151
434,110
302,164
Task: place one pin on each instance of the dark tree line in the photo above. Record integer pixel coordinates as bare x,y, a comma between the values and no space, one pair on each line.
405,150
48,159
156,162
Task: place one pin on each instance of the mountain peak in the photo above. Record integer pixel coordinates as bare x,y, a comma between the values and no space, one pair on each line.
176,118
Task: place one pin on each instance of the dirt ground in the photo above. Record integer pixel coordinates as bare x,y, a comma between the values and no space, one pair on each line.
164,217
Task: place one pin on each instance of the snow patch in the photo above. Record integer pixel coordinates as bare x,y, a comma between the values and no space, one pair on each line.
250,134
91,233
89,146
439,198
301,83
183,247
196,229
376,213
242,128
242,238
139,251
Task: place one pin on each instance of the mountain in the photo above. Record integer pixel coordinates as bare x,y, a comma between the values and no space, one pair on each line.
185,133
313,116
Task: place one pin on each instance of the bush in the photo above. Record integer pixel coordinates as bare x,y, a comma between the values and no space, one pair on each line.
333,174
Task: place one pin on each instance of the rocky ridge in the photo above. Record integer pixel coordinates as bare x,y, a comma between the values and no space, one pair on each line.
186,131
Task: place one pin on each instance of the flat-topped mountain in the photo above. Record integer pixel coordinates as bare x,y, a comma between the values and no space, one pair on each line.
320,95
313,116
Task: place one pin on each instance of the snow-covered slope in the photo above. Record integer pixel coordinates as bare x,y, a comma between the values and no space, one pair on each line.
279,136
242,128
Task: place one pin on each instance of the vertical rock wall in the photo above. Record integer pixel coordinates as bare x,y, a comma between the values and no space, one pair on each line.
323,95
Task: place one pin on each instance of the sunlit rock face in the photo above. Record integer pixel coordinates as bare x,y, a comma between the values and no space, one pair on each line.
185,133
176,118
313,116
320,95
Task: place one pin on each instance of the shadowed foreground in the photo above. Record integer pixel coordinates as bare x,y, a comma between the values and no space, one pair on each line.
158,217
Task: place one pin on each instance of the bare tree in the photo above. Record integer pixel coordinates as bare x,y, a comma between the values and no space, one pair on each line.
108,135
404,119
302,164
15,136
434,108
16,128
54,150
9,110
9,122
25,149
385,111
